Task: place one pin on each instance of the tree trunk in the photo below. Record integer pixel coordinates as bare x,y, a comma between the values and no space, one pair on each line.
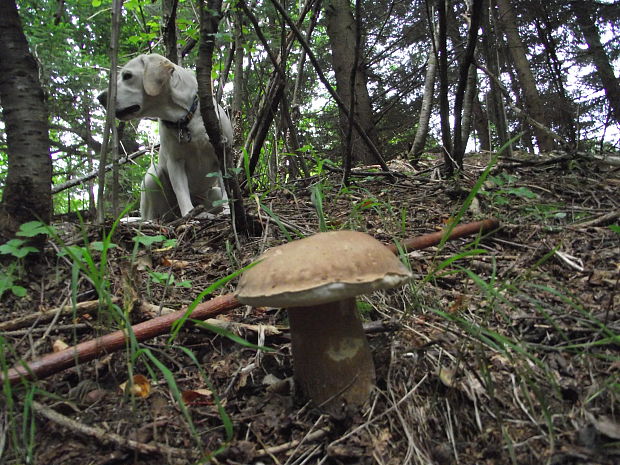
584,12
239,91
427,100
533,101
110,108
494,101
444,103
27,191
465,78
169,29
341,30
210,15
481,125
566,109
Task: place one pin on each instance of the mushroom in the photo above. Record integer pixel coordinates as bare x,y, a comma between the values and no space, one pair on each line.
316,279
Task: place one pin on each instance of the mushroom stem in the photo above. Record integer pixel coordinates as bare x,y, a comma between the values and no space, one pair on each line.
331,356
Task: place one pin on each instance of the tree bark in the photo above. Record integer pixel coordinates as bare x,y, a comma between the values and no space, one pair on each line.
341,29
169,29
110,109
27,192
494,102
533,102
444,104
465,79
427,99
210,15
584,12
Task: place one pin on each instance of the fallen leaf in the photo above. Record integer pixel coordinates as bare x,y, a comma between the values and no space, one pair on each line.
197,397
59,345
446,375
140,386
175,264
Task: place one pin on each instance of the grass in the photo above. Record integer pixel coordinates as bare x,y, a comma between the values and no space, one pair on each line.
92,262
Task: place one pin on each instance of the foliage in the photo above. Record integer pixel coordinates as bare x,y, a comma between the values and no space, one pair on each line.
72,49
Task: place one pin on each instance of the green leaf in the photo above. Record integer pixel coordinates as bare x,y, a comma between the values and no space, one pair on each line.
148,241
521,192
23,251
32,228
615,228
19,291
170,243
100,246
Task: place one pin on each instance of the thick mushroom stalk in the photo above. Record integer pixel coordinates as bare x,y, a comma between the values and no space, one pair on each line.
331,356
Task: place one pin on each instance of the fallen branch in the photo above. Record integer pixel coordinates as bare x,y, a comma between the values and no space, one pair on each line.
90,350
429,240
48,315
103,436
314,436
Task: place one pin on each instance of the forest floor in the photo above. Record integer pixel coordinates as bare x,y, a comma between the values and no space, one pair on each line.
503,349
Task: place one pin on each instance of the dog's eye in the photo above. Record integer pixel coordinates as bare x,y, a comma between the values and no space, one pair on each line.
127,76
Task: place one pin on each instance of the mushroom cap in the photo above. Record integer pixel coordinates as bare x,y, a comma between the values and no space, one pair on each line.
325,267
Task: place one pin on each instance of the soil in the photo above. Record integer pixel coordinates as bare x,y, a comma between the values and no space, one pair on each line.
504,348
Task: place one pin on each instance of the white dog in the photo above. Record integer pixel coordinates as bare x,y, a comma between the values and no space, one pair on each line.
187,173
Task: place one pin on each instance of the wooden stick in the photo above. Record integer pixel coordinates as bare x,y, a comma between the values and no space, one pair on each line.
79,309
103,436
90,350
429,240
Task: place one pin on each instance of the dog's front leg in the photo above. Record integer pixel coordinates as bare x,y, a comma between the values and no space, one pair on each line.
180,185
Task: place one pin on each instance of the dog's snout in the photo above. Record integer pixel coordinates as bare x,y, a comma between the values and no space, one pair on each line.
103,98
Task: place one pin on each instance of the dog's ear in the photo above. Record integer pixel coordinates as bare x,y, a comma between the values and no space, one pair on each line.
157,72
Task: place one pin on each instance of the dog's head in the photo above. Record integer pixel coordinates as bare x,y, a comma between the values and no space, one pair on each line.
140,82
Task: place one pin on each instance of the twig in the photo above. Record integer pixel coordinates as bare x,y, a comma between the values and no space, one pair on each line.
90,350
103,436
289,445
22,332
93,174
428,240
604,219
47,315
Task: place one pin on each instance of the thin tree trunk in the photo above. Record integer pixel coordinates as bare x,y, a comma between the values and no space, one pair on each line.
341,30
444,105
584,12
210,15
481,125
110,110
471,91
494,101
238,82
27,191
169,29
533,102
419,142
348,152
464,77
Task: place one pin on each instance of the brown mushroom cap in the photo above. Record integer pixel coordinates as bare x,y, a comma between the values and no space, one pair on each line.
322,268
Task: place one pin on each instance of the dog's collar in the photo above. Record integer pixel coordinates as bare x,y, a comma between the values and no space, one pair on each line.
182,125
